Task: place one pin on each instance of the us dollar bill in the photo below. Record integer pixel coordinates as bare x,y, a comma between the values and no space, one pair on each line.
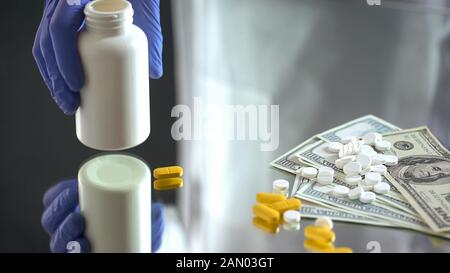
422,174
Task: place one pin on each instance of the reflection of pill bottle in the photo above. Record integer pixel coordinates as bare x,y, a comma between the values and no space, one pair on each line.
114,112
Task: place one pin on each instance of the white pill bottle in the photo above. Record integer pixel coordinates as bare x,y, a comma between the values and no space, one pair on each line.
114,112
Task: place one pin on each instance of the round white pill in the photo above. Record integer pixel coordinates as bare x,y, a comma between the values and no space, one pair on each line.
340,191
366,170
291,227
309,172
390,160
372,178
372,138
381,169
367,150
367,197
324,179
382,188
291,216
353,180
334,147
378,159
340,162
364,160
280,186
325,222
352,168
326,171
382,145
346,140
355,193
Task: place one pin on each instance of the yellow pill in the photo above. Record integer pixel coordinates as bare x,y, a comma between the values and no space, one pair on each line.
266,226
168,172
319,234
339,250
317,245
167,184
269,198
266,213
289,204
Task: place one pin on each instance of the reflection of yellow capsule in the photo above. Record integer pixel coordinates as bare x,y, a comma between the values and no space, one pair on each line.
269,198
289,204
318,245
339,250
319,234
168,172
167,184
266,226
266,213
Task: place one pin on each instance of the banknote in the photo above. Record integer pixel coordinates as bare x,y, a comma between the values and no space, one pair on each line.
422,174
358,127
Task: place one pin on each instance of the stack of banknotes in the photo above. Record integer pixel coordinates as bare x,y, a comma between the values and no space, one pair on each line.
420,183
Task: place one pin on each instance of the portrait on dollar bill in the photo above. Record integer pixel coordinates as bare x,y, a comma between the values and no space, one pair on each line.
422,169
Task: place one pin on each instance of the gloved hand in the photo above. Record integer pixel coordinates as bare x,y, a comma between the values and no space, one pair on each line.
63,221
56,52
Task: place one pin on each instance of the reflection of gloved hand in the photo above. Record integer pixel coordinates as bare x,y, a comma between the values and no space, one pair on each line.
56,52
63,221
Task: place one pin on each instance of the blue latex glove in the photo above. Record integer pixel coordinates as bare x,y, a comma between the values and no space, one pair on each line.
63,221
56,52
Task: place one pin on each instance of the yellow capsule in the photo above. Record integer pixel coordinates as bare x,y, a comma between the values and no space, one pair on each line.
289,204
318,245
168,172
319,234
167,184
266,213
266,226
269,198
339,250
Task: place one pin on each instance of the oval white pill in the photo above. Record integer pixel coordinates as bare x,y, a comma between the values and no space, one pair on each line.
390,160
382,145
340,191
372,178
355,193
352,168
378,159
382,188
367,150
353,180
381,169
309,172
367,197
348,139
364,160
372,138
326,171
334,147
340,162
291,216
324,179
325,222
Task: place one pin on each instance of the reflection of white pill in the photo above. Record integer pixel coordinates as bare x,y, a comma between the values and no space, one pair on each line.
381,169
334,147
326,171
324,179
323,221
378,159
367,197
383,145
382,188
340,191
355,193
364,160
291,216
367,150
346,140
309,172
372,178
372,138
390,160
340,162
353,180
352,168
